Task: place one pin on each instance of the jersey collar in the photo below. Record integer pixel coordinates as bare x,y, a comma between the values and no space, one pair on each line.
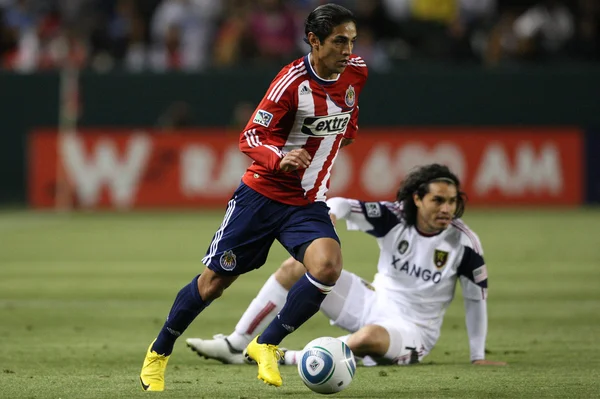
314,75
422,234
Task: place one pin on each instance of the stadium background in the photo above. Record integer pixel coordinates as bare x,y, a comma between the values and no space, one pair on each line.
118,150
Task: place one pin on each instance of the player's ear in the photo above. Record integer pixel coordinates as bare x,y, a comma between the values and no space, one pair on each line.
417,200
313,40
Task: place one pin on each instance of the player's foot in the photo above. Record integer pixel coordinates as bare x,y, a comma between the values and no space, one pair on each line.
152,376
218,348
267,356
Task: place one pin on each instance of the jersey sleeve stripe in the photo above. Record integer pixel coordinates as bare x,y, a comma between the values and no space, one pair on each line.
275,150
285,81
254,141
253,138
469,233
288,84
282,80
248,139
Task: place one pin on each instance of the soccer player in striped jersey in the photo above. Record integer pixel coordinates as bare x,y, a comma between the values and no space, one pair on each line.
424,250
309,112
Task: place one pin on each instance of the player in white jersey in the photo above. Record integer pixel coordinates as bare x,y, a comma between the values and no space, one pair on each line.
424,250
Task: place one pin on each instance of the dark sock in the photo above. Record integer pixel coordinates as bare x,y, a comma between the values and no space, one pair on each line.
188,304
303,301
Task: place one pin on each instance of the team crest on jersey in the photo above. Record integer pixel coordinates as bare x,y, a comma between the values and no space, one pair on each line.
263,117
440,258
228,261
402,247
350,98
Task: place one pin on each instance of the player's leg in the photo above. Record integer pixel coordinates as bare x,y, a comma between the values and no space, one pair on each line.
378,329
309,236
262,309
388,342
191,300
241,244
345,306
268,302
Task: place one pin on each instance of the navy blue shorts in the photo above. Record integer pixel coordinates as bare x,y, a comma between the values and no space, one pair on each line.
252,222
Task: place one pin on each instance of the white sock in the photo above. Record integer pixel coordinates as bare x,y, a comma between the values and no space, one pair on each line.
291,357
259,314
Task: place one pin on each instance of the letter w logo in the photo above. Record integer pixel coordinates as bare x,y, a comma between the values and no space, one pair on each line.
89,175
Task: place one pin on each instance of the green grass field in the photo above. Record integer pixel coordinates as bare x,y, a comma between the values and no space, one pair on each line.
82,296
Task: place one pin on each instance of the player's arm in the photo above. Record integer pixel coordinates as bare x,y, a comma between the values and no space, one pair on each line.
352,130
275,112
255,139
375,218
473,278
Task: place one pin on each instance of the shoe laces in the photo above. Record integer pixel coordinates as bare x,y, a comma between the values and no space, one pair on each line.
159,359
279,354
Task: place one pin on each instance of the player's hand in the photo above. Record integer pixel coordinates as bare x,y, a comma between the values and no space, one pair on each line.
346,142
295,159
485,362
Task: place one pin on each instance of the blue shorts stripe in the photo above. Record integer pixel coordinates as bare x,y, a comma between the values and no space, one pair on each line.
219,234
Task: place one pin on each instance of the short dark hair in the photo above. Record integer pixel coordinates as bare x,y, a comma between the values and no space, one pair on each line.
418,180
324,18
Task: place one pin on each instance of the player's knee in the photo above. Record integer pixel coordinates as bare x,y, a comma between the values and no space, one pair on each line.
326,269
330,270
211,285
212,292
323,259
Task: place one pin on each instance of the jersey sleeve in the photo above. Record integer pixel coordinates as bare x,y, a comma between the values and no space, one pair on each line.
352,129
271,115
472,269
374,218
363,72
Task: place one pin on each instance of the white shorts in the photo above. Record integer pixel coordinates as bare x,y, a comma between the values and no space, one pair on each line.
354,303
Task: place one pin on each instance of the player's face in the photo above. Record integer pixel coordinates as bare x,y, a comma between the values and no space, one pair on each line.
334,52
437,208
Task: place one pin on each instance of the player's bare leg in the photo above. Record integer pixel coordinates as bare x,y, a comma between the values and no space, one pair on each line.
371,340
289,273
323,260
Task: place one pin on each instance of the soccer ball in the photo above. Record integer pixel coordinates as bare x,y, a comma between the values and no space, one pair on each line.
326,365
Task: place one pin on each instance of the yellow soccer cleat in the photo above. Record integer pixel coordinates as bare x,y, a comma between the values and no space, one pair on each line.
152,376
267,356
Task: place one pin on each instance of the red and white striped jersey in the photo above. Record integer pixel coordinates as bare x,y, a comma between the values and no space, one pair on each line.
301,110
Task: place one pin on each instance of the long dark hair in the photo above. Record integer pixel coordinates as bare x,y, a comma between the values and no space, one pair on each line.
323,19
418,181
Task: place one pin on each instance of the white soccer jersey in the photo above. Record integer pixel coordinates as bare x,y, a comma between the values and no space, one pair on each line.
414,271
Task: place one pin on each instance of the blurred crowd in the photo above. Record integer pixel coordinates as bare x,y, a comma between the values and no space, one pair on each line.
193,35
